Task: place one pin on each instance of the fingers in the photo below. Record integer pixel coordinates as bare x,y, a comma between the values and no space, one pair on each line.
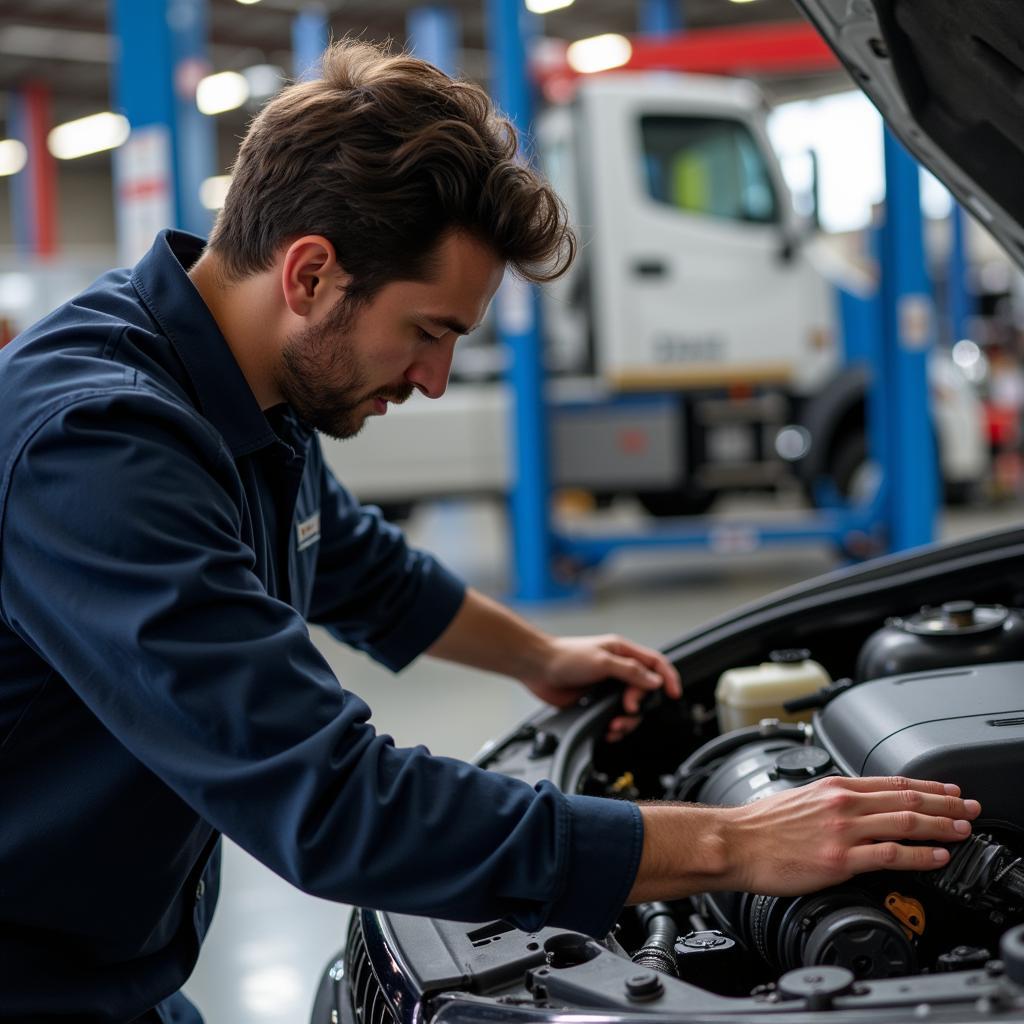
655,668
908,799
638,679
895,857
620,727
908,825
882,813
874,783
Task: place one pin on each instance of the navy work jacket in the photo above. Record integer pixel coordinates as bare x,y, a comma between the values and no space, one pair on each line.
163,543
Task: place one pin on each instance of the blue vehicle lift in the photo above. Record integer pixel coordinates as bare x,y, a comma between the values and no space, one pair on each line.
160,58
900,513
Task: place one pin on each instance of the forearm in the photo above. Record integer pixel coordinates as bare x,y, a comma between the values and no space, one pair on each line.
684,852
488,636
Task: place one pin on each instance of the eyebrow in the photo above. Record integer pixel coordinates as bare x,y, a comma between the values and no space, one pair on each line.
450,323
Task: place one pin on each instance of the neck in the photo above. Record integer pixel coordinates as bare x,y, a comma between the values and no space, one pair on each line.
245,316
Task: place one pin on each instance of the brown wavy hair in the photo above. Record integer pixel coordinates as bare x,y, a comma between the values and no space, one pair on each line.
383,155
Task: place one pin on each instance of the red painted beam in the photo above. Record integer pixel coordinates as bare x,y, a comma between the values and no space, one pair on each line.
783,48
776,48
42,168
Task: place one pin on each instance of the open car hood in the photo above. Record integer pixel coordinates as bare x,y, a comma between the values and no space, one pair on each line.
948,77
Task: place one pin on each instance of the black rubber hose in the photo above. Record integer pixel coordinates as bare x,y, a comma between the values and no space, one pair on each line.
659,949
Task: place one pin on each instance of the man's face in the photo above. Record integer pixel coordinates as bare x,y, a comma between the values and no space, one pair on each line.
349,365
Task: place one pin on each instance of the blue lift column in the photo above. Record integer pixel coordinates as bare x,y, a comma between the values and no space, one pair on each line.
310,34
161,55
908,456
519,329
434,36
661,17
961,304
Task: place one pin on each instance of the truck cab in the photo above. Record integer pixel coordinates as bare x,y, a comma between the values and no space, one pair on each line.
696,346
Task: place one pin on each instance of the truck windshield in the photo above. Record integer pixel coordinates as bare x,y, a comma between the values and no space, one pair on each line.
708,166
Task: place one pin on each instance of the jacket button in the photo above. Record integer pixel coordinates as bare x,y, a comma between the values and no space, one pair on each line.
200,889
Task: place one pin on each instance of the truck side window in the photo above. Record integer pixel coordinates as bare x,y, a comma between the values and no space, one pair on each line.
709,166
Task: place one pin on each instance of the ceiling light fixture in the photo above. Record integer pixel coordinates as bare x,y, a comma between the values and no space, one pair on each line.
226,90
87,135
213,191
547,6
599,53
13,156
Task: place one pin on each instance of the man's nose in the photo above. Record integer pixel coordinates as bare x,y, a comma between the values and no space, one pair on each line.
429,373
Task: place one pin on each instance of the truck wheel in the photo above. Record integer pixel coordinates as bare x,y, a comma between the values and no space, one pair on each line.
849,467
685,502
855,475
959,492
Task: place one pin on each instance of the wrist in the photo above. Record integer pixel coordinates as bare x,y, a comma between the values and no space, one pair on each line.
535,658
687,850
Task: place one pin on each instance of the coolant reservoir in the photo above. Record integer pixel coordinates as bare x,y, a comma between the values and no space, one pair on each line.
746,695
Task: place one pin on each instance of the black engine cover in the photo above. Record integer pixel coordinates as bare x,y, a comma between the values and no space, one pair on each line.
963,725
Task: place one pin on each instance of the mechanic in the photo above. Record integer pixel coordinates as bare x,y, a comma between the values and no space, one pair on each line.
168,527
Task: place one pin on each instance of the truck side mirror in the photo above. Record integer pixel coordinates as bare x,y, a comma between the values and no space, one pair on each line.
789,244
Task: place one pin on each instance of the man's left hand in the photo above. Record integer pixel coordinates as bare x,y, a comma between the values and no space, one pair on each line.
576,663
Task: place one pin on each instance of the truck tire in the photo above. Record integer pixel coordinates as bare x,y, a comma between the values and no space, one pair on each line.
684,502
849,469
848,466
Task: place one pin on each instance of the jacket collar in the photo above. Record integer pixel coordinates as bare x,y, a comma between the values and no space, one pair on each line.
224,396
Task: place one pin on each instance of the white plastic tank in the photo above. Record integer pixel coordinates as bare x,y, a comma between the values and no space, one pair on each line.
746,695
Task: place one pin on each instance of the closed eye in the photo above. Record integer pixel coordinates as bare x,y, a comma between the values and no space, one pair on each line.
427,336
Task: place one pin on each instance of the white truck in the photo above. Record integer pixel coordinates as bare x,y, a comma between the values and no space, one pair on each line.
697,344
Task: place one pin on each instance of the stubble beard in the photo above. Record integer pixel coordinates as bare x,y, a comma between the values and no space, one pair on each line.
322,381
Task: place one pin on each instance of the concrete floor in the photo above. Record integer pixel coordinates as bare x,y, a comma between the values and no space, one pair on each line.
269,942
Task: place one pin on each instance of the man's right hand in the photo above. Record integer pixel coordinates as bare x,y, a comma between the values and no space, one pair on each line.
802,840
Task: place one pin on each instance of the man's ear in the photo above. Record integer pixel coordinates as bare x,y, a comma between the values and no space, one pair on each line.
312,280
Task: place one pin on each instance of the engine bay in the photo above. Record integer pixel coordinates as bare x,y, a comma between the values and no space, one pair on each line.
936,694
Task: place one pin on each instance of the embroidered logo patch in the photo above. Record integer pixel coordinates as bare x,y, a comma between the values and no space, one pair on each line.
308,531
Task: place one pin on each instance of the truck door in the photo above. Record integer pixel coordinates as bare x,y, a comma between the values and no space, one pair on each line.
689,219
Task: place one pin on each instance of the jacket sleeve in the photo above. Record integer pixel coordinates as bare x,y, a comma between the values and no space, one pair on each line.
123,567
372,590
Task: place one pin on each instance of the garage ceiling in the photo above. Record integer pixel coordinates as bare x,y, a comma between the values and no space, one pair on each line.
65,43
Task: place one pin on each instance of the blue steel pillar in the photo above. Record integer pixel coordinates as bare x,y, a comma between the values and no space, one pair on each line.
310,35
961,299
434,36
518,308
161,55
909,456
661,17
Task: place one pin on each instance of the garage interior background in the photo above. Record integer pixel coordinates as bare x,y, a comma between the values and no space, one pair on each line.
62,222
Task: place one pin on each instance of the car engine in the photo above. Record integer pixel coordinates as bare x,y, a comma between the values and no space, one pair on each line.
937,695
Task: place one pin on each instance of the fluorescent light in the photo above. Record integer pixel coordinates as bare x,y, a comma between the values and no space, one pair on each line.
247,2
213,191
264,81
742,1
546,6
224,91
599,53
13,156
92,134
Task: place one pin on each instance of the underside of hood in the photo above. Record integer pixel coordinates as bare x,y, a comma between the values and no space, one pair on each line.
948,77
